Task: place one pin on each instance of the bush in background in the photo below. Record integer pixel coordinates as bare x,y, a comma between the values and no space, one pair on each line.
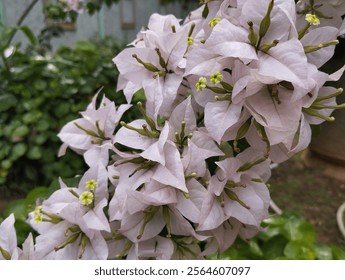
38,95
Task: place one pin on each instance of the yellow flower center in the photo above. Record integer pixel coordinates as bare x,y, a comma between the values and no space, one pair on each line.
38,218
213,22
91,184
201,84
216,78
312,19
190,41
86,198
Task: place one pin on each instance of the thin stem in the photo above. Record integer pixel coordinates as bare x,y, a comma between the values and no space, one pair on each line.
5,63
21,19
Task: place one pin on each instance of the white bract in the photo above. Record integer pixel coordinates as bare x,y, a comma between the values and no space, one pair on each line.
232,88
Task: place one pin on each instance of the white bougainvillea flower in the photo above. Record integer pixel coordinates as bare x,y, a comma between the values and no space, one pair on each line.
238,191
329,13
186,248
177,183
157,65
92,134
282,18
28,252
65,240
322,35
8,239
218,48
66,204
157,248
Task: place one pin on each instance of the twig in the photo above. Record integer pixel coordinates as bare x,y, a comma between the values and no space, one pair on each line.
21,19
275,208
340,219
5,63
273,205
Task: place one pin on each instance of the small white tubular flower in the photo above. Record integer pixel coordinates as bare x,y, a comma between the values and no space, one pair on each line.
213,22
312,19
216,78
38,217
91,185
201,84
86,198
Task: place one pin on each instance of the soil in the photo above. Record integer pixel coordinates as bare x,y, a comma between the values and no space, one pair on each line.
304,187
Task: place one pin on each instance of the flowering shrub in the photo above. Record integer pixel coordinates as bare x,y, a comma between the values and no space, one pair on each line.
232,88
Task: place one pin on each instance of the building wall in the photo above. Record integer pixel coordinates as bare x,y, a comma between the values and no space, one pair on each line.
122,20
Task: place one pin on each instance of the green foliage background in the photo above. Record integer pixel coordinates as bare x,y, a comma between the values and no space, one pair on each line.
38,95
40,92
284,237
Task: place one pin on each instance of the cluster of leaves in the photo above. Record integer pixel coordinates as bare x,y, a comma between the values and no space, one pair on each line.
165,2
38,95
58,11
285,237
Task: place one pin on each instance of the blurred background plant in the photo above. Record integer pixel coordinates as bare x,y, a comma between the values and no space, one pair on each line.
42,90
39,94
285,237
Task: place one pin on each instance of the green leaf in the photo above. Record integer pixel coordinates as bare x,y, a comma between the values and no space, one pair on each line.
269,233
36,193
296,229
323,252
86,46
18,208
255,248
40,85
274,220
230,254
41,139
22,230
43,125
21,131
274,248
35,153
6,34
19,150
298,250
7,101
338,254
226,149
29,34
32,117
6,164
308,233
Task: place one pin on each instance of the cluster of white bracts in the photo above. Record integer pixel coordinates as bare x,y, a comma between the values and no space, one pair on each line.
176,183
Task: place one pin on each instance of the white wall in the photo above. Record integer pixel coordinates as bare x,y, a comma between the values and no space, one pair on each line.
90,26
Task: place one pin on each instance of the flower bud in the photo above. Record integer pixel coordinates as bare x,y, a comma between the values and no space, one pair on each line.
5,254
147,65
266,21
252,36
309,49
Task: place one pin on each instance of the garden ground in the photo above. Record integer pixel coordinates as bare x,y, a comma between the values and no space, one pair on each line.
301,186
